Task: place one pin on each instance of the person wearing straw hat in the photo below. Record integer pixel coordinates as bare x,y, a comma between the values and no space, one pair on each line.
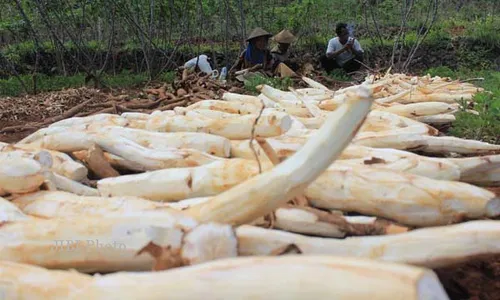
280,53
256,55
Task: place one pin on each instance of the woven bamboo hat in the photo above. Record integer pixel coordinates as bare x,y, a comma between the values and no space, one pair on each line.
258,32
285,37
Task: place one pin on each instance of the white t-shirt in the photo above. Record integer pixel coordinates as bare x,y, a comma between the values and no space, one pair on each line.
334,45
202,64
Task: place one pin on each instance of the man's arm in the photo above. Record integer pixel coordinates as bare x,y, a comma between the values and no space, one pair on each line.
356,49
268,61
236,66
275,61
238,63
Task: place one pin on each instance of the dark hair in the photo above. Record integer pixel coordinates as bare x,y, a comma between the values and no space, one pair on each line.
339,27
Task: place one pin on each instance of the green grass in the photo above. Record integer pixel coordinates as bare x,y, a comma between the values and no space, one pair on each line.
339,75
12,86
486,125
278,83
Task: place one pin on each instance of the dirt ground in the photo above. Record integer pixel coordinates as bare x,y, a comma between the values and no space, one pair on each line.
20,116
477,280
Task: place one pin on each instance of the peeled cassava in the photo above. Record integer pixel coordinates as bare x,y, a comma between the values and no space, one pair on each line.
208,143
58,204
233,128
152,159
433,247
62,183
99,118
437,119
10,213
269,190
19,174
287,277
310,221
116,242
62,164
23,281
419,109
398,160
405,198
243,149
446,144
181,183
483,170
241,108
378,121
67,140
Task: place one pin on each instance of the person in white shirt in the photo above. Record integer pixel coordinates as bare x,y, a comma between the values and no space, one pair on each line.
343,52
202,62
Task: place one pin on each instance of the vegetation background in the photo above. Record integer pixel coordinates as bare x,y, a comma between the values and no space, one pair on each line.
54,44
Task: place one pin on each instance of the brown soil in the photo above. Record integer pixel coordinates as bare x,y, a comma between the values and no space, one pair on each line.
477,280
21,116
28,111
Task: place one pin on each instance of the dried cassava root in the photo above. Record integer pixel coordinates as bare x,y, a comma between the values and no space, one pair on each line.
429,247
220,158
263,193
115,243
320,277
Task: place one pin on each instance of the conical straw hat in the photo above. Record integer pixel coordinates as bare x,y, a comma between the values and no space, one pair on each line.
285,37
258,32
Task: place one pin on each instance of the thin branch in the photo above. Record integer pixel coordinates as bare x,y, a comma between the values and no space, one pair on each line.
433,9
253,136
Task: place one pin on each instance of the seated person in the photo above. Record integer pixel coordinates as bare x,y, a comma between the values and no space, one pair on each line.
280,52
343,52
201,63
256,54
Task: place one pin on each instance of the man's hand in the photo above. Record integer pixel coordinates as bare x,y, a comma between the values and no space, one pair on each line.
256,67
349,44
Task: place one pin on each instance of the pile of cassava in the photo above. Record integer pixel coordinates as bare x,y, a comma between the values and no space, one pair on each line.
301,194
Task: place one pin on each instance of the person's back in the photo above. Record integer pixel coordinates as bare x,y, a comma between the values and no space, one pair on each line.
201,61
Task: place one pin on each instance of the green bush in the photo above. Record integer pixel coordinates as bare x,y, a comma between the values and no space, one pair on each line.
441,71
12,86
45,83
485,30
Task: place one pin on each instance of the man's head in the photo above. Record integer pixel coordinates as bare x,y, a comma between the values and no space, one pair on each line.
284,39
342,32
284,46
